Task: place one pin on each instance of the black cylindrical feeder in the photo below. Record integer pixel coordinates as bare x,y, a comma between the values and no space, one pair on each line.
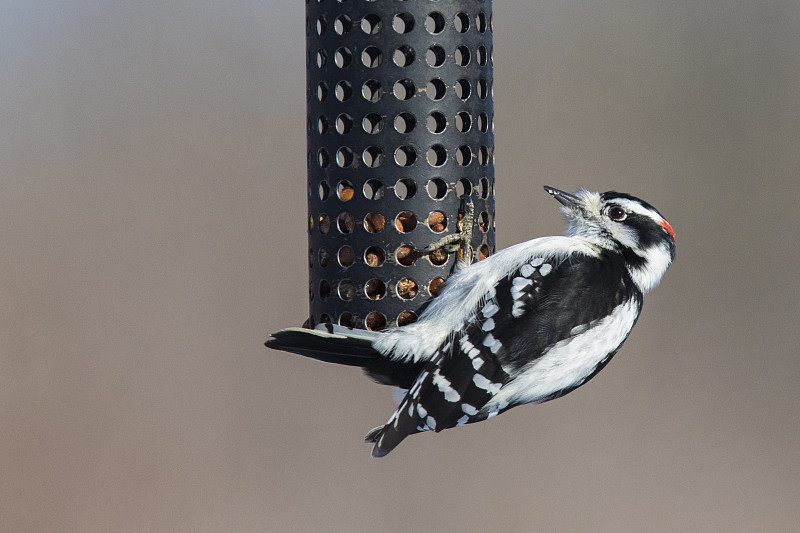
400,138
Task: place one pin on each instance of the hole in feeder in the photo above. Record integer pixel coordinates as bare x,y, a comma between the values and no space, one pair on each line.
464,155
343,91
343,57
324,223
372,157
372,123
483,252
405,156
435,89
375,321
483,188
347,320
344,123
461,56
344,157
323,158
403,89
374,222
405,222
406,317
463,121
371,91
406,255
407,288
324,318
322,58
404,122
346,290
322,24
371,57
324,256
482,89
374,256
463,89
345,222
461,22
434,23
435,286
437,188
438,257
436,122
483,155
322,124
371,24
403,23
483,221
482,55
436,155
324,190
463,187
373,190
405,188
483,122
375,289
342,24
324,289
322,91
480,22
346,256
403,56
435,56
437,221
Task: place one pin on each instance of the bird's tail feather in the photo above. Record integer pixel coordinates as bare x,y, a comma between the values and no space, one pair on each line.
346,346
333,344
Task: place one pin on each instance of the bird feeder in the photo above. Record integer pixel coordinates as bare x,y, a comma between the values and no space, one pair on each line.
400,140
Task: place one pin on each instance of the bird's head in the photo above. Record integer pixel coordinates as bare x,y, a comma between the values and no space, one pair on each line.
620,223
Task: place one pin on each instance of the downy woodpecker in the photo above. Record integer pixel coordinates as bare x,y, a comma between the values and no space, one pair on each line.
526,325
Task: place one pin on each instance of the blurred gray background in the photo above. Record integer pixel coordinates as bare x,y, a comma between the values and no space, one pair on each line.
152,208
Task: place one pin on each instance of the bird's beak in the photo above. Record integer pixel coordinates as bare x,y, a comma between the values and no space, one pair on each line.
569,200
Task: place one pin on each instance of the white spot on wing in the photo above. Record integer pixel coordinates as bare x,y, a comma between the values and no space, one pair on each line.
430,422
444,386
520,283
493,344
488,324
490,309
483,383
469,409
526,270
545,269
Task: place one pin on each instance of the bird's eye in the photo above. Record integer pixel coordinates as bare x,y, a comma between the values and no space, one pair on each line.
617,214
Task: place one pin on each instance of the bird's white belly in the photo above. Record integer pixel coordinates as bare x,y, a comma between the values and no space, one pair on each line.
569,362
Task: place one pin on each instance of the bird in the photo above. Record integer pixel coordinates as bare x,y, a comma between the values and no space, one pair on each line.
528,324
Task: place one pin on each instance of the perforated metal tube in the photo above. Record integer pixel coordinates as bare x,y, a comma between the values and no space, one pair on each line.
400,118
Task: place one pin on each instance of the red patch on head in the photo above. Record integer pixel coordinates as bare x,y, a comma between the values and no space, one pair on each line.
666,226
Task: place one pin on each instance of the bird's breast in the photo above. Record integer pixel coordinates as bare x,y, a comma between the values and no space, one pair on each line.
568,363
